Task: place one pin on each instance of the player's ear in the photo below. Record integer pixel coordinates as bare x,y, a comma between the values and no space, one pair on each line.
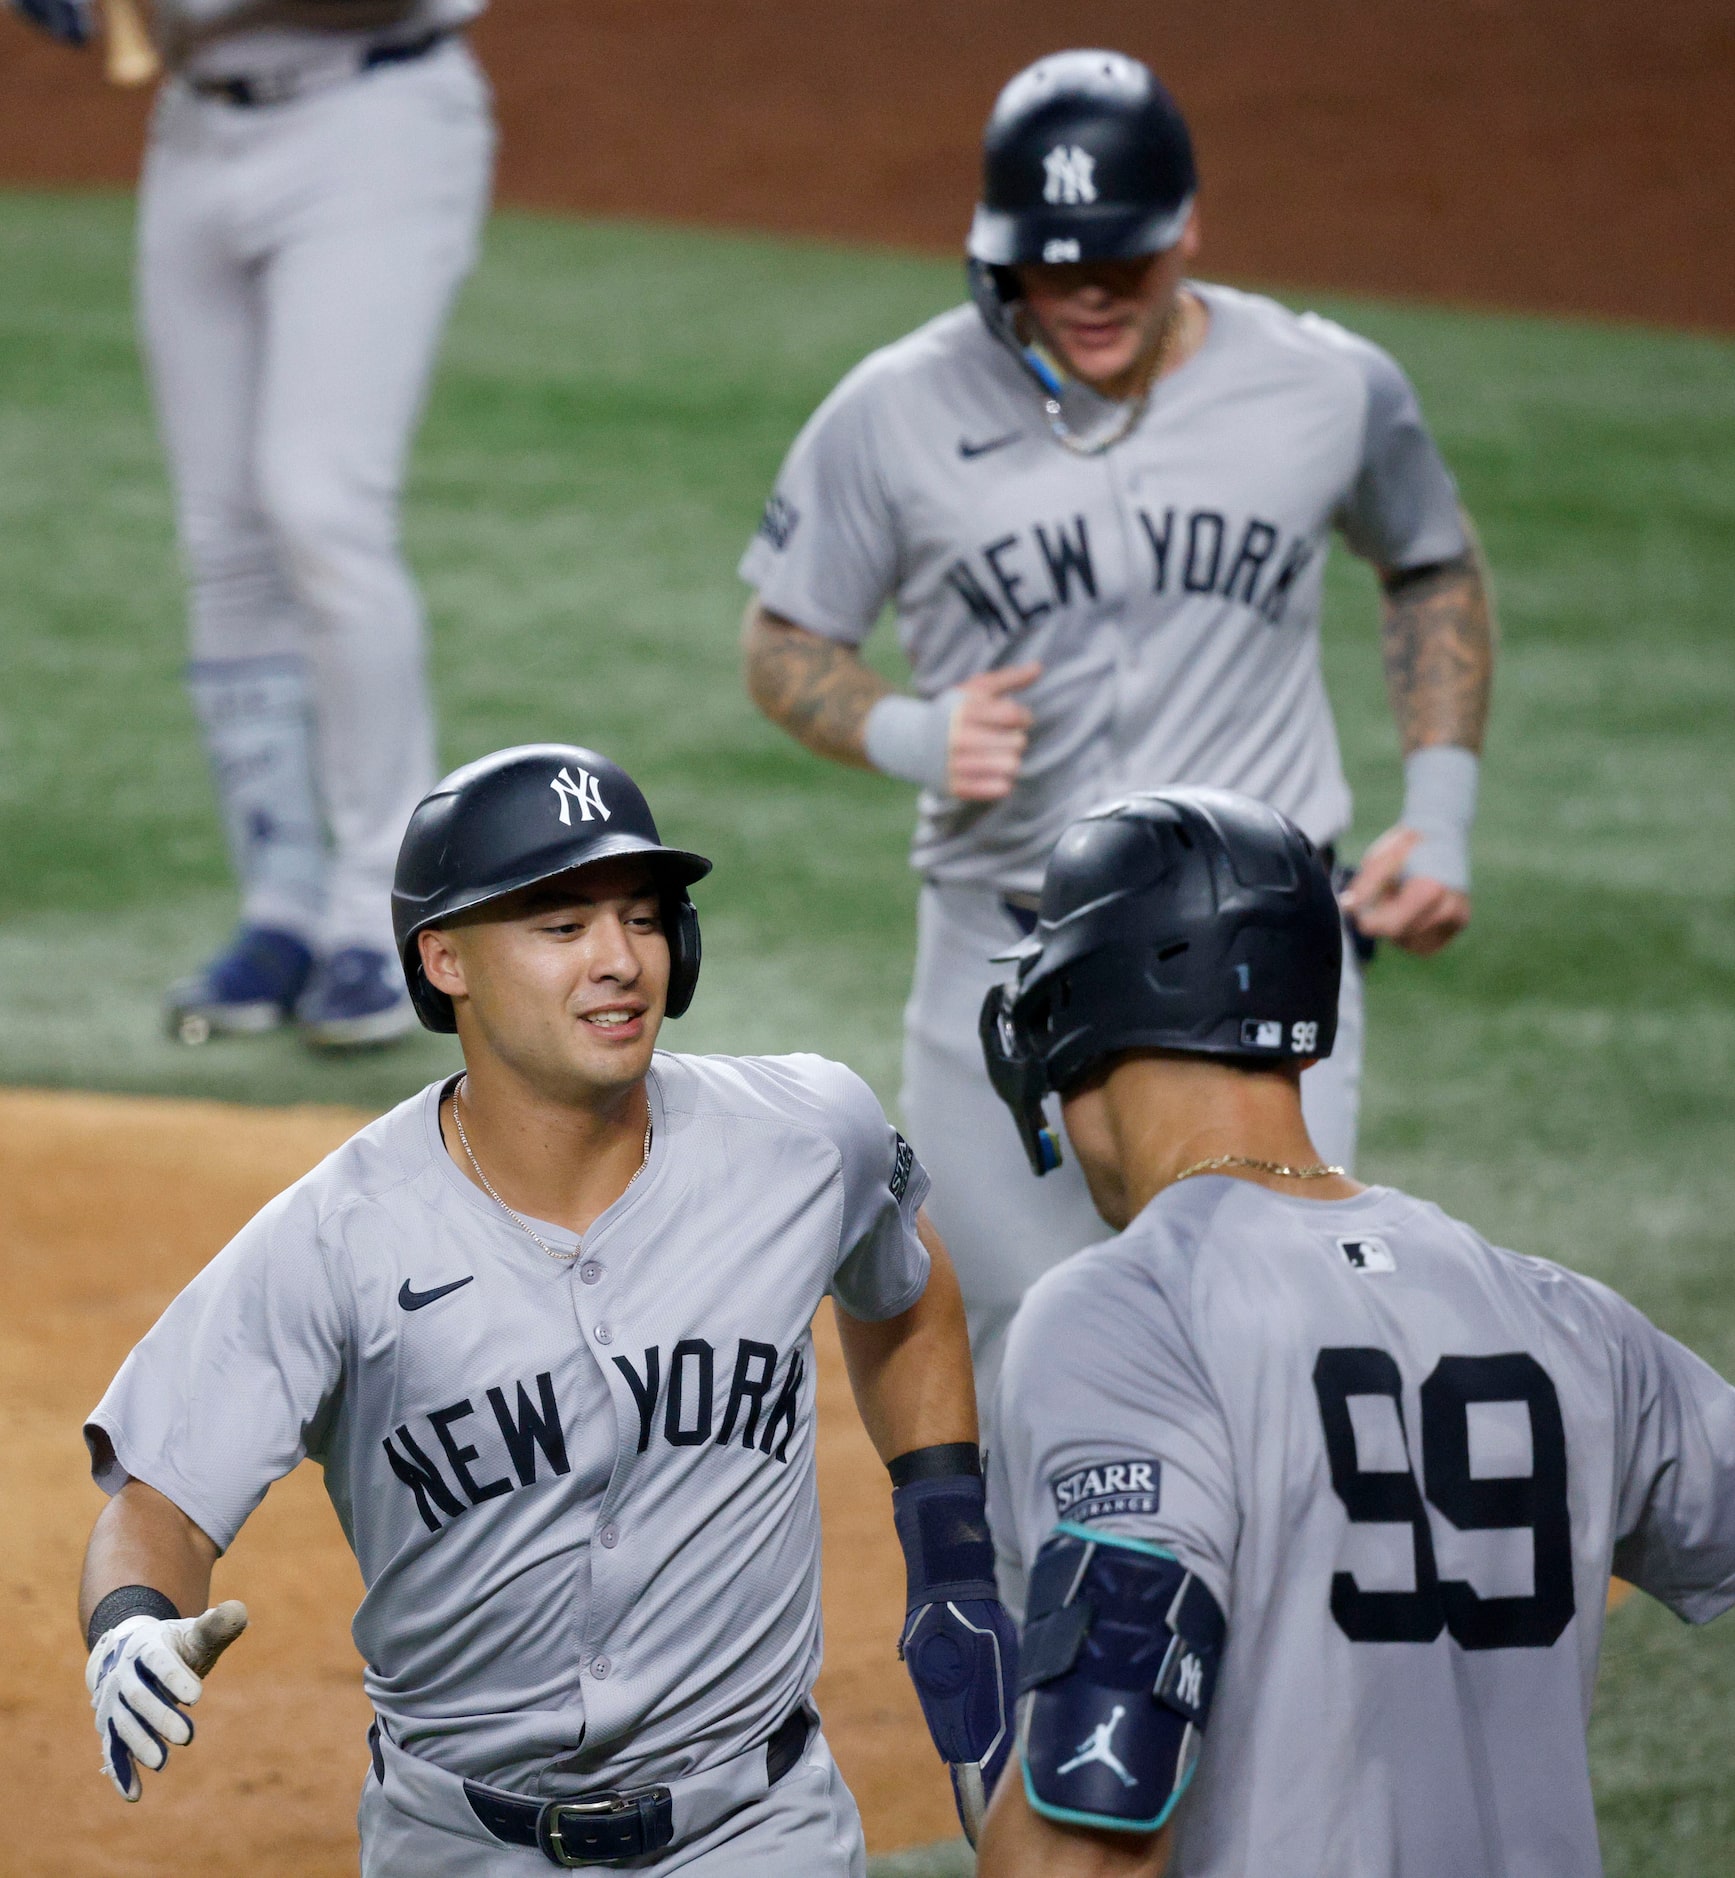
441,965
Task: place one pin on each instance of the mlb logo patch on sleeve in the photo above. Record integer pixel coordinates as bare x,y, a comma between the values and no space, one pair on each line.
1367,1255
1105,1487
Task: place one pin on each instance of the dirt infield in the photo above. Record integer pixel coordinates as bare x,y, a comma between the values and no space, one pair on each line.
1555,154
107,1206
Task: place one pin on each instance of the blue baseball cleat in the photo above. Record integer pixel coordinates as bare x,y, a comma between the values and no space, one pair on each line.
250,987
355,998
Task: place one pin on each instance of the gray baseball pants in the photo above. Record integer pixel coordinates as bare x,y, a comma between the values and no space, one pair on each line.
296,265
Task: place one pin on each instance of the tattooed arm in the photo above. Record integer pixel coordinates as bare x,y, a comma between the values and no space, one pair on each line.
1438,640
1438,637
822,694
813,687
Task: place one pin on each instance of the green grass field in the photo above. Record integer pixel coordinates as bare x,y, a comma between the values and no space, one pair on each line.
613,403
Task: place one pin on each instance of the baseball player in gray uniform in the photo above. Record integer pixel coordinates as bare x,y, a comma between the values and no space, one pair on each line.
1310,1495
314,186
1099,502
546,1328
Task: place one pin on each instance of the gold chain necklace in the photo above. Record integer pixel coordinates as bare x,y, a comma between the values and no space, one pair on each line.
1319,1171
565,1258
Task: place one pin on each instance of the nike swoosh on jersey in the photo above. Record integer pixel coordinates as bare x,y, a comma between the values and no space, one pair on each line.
413,1300
967,449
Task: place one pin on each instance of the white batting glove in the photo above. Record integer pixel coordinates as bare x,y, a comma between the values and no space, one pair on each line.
137,1674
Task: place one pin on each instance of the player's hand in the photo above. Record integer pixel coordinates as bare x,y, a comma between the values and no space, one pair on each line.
1419,914
139,1675
72,22
989,731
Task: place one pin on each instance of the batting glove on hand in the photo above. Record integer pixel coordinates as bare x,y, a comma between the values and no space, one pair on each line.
958,1643
137,1675
72,22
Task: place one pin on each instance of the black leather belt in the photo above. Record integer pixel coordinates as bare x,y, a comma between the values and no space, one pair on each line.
608,1827
252,92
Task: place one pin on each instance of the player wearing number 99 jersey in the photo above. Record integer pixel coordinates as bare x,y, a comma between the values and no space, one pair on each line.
1317,1492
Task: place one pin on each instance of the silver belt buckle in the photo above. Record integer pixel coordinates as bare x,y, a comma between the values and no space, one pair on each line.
598,1806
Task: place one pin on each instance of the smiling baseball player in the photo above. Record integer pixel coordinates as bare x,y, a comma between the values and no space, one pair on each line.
546,1328
1305,1489
313,192
1099,501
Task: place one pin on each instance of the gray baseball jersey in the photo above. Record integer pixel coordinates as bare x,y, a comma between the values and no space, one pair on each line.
1404,1461
581,1494
1170,586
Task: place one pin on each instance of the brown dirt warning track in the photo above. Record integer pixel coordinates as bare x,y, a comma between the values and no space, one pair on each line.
1569,155
108,1205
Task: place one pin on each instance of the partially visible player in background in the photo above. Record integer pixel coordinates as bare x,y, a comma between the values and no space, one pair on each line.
1314,1487
1099,501
314,187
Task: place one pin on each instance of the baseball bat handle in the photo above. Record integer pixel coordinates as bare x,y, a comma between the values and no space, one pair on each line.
130,57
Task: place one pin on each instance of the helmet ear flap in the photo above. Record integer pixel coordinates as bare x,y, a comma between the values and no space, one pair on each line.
995,290
433,1007
1016,1071
684,951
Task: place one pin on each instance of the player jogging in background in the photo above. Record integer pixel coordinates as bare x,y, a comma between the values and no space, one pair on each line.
546,1328
314,187
1099,501
1309,1494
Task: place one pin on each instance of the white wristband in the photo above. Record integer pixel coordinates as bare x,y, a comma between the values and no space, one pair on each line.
906,737
1440,805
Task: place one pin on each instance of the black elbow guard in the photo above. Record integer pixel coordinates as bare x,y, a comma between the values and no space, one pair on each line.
1117,1666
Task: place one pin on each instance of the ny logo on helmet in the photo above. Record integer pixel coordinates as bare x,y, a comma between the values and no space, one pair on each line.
1069,174
584,792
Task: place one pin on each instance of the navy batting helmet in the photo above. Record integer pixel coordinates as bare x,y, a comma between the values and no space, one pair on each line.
1189,920
518,817
1085,158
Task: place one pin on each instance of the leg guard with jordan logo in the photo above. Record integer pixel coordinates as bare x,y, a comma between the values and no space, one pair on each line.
1118,1662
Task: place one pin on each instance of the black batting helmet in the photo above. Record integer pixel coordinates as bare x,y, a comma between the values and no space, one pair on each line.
1189,920
518,817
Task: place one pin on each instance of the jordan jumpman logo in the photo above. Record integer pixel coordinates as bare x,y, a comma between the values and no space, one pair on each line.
1098,1748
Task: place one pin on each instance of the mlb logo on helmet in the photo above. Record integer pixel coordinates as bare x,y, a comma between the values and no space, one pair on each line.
1261,1033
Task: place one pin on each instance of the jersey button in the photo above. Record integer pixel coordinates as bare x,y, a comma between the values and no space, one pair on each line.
609,1535
603,1334
599,1668
590,1271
